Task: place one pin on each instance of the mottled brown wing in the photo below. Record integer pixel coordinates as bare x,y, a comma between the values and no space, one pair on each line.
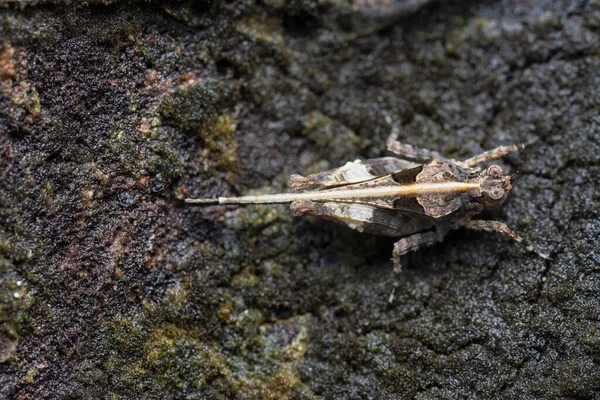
434,204
351,173
366,218
406,176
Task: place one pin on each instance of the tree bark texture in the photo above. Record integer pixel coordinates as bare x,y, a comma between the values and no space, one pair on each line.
111,113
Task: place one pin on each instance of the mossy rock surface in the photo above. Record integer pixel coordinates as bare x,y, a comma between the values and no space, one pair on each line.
111,113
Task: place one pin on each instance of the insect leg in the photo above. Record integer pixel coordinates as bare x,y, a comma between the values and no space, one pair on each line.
495,226
492,154
408,151
408,244
352,172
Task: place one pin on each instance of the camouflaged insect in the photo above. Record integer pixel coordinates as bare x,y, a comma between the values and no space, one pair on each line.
400,197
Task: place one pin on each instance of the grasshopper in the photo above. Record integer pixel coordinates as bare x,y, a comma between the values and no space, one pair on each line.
419,196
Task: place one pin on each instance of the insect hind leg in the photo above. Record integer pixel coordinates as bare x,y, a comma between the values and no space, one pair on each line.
408,244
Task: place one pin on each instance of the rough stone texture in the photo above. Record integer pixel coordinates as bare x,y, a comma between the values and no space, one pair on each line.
112,113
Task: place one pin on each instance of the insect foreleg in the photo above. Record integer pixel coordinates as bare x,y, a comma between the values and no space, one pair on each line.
495,226
491,155
408,244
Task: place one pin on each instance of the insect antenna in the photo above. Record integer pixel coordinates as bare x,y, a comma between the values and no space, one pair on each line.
517,176
202,202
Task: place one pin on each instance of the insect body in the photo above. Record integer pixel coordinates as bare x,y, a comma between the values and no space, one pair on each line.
400,197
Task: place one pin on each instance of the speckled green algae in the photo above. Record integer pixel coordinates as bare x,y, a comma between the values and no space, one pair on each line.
168,349
15,302
198,109
175,360
170,360
18,98
234,308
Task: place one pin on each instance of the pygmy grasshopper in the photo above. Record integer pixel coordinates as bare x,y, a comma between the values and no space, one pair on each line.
400,197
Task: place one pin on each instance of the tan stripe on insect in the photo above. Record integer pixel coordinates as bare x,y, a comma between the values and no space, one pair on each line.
419,196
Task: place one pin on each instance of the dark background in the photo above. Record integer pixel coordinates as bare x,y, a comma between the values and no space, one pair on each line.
113,112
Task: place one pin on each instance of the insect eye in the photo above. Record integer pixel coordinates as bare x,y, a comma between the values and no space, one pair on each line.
495,171
496,193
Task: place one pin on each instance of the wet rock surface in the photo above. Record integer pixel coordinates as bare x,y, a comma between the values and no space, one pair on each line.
112,113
